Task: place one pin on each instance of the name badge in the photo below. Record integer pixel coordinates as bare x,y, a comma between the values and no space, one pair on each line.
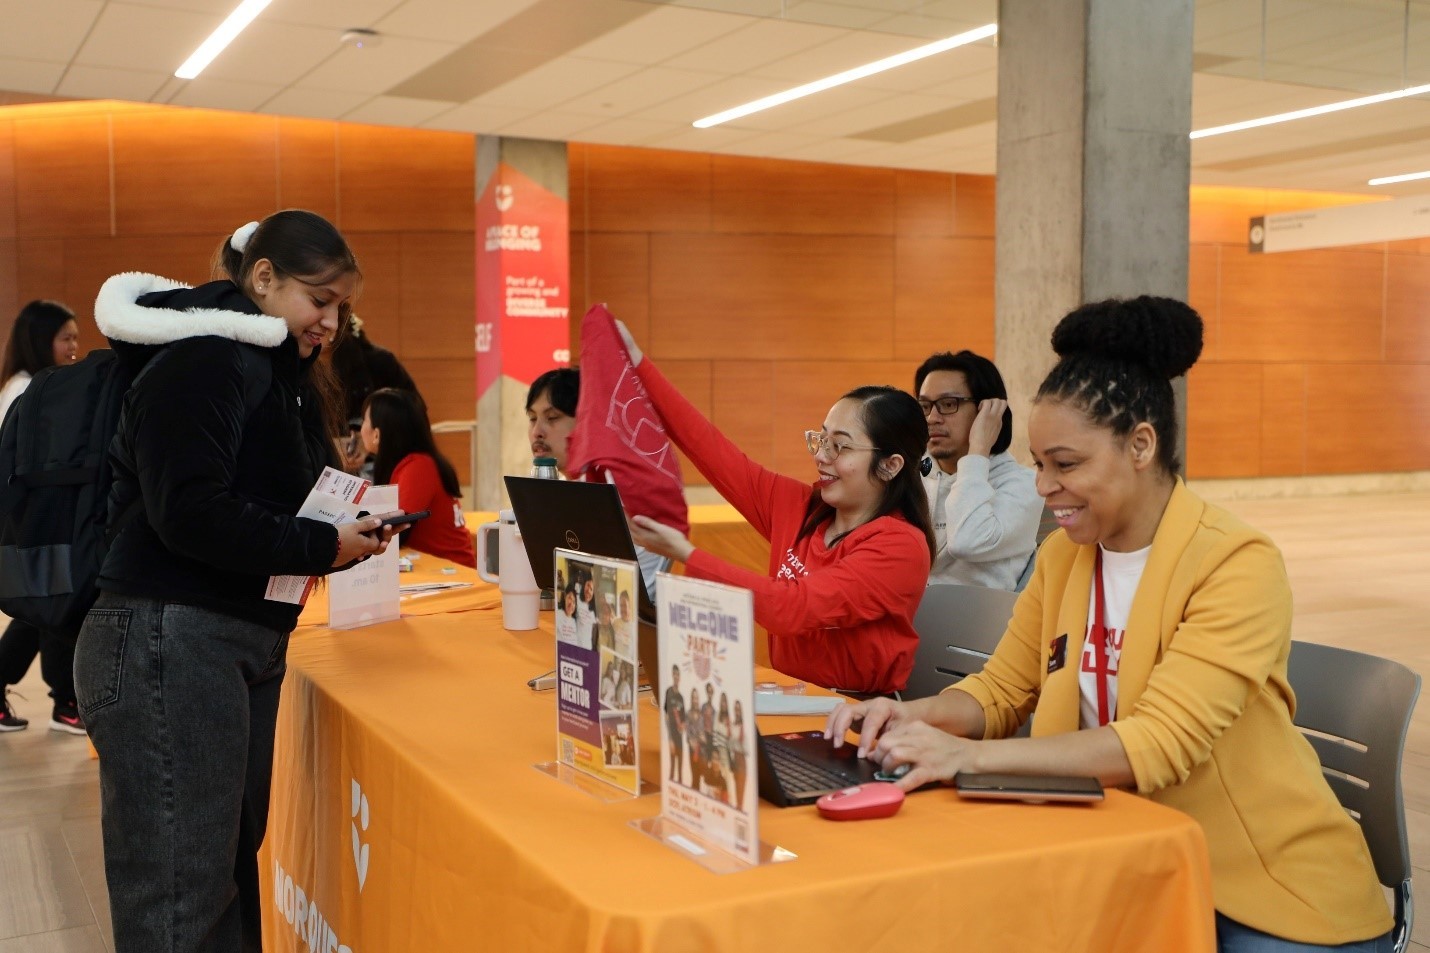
1058,653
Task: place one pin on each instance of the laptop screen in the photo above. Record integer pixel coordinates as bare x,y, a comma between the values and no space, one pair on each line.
572,515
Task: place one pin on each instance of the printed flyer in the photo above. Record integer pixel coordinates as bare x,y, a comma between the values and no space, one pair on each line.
596,724
335,499
707,691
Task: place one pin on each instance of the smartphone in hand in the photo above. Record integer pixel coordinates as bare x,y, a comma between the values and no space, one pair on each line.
401,520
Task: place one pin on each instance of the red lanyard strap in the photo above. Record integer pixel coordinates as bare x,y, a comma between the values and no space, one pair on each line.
1101,674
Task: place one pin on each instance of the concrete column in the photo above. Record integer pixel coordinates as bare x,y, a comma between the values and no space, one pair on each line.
523,298
1094,108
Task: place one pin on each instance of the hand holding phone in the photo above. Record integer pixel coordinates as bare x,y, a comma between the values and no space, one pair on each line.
401,520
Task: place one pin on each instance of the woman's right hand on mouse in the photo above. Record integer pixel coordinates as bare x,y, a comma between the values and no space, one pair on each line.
360,538
875,716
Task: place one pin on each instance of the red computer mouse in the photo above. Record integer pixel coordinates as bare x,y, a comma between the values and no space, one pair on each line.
863,801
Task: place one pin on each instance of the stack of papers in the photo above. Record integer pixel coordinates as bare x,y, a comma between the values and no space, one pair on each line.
427,588
779,703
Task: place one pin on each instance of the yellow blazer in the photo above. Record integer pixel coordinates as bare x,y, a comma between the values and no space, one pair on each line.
1204,711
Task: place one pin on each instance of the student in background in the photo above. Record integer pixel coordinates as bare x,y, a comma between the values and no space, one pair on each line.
983,503
44,334
849,553
395,430
1151,644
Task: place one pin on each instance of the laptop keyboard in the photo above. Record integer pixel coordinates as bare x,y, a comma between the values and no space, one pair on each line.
798,775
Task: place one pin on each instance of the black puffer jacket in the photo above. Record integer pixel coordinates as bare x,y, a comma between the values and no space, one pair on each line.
219,486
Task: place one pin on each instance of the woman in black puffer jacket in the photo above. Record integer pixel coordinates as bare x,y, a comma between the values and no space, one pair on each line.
180,661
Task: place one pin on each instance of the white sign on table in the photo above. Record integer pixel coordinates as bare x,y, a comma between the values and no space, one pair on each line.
367,593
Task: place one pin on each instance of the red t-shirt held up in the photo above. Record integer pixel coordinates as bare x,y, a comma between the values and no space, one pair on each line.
618,437
444,533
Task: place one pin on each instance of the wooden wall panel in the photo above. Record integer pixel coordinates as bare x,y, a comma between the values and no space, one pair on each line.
693,379
438,294
974,205
804,391
577,206
40,269
62,173
614,269
308,166
742,405
1306,306
1204,294
219,169
764,196
1285,419
1367,417
1224,420
7,180
407,180
642,190
379,303
89,262
1222,215
1407,308
943,297
9,286
923,203
728,297
449,388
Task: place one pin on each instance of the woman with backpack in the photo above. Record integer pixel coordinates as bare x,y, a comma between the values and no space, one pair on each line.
45,334
181,658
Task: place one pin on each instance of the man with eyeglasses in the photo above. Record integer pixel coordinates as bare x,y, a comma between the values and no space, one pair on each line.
984,504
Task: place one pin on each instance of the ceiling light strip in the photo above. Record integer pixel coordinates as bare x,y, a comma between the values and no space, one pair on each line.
1392,179
849,76
227,31
1313,111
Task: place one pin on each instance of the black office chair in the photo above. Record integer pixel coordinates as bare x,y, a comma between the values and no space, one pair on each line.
958,627
1355,710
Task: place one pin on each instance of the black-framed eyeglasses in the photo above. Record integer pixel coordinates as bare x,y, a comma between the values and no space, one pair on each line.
816,442
947,405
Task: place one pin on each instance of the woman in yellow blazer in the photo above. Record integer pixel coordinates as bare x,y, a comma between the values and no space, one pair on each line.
1165,671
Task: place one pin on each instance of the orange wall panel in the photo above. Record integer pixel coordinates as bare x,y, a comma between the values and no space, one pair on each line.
640,190
1285,418
1224,420
1407,308
1367,417
974,205
943,297
613,268
777,296
7,180
1204,294
62,176
742,405
923,203
804,393
765,196
193,171
691,378
379,303
438,294
40,269
406,180
9,287
308,166
1322,305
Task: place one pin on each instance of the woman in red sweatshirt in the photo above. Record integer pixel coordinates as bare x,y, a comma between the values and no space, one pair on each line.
849,556
395,430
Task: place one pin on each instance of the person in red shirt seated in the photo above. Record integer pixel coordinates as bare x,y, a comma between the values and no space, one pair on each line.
849,554
395,430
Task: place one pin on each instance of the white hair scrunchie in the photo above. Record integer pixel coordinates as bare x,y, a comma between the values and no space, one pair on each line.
238,241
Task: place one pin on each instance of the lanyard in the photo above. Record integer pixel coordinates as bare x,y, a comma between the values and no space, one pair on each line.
1098,635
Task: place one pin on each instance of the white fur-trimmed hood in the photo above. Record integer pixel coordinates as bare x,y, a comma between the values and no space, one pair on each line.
121,318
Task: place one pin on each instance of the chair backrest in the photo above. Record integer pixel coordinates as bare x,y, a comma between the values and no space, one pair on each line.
958,627
1355,709
1047,522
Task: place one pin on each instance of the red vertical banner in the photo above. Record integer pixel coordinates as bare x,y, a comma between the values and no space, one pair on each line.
523,297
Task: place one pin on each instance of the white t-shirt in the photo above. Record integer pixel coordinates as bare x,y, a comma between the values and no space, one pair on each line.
1121,572
13,388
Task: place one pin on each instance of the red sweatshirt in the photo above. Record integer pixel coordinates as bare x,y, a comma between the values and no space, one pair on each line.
444,533
839,618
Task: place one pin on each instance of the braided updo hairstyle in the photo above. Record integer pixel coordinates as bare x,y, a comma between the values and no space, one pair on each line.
1117,359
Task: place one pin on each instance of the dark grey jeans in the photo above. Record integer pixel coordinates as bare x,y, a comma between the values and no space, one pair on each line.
181,704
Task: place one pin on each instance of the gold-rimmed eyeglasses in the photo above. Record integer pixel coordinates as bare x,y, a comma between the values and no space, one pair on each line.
816,442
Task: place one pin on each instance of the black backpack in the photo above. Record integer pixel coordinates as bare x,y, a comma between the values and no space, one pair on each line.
56,474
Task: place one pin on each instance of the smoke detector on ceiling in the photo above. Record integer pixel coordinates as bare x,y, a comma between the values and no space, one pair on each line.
361,38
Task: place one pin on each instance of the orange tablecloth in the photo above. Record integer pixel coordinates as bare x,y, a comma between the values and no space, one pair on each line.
407,816
717,528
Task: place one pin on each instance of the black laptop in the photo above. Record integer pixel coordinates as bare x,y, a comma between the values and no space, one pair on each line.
799,767
587,517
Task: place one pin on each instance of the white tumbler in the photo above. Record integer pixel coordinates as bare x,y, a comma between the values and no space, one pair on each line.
520,596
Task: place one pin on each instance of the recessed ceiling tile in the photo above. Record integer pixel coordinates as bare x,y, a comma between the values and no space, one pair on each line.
91,82
476,117
848,16
128,36
313,103
549,125
943,73
269,52
556,82
832,150
653,85
333,14
212,93
876,113
829,104
661,34
375,69
767,144
702,140
30,76
710,99
839,54
449,20
45,31
396,111
930,27
759,44
631,132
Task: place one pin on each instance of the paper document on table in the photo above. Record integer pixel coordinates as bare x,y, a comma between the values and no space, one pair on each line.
333,499
779,703
418,588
